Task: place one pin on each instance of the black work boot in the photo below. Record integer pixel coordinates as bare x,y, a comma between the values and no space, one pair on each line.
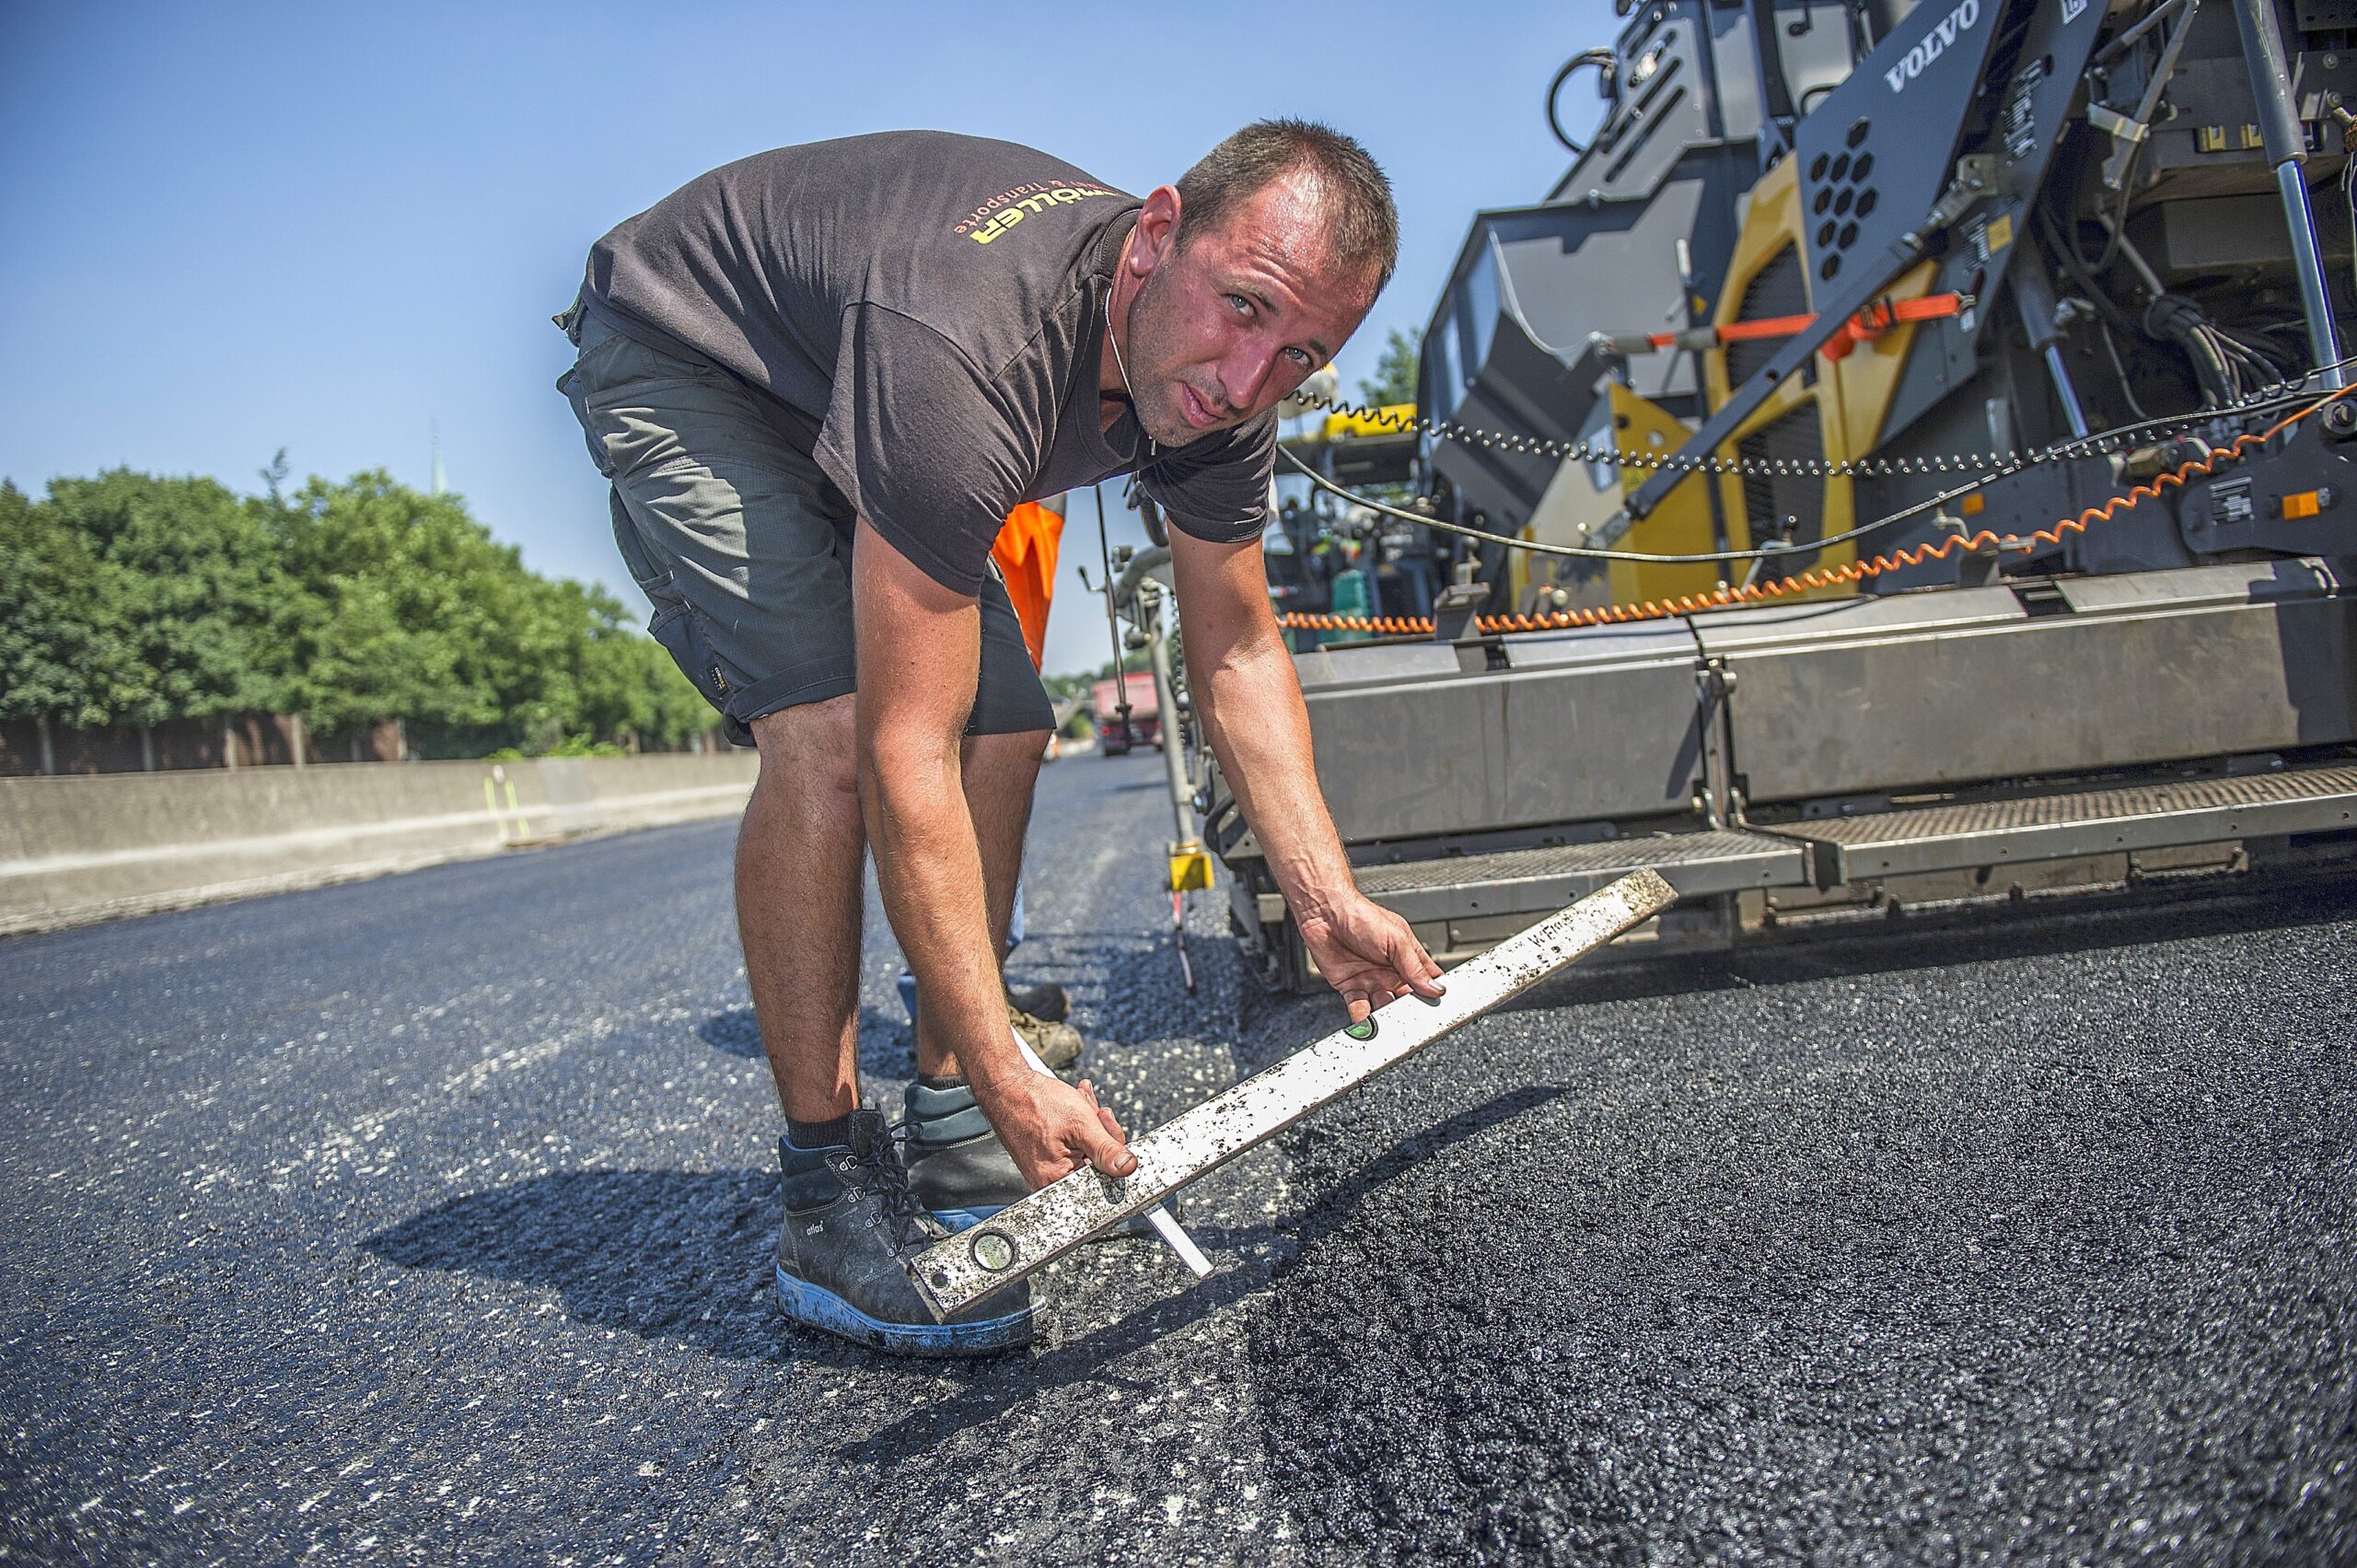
851,1220
959,1169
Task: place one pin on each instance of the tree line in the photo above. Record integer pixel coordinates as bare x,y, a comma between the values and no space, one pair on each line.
133,598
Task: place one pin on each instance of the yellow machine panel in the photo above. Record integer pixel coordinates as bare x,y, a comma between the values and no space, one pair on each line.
1831,414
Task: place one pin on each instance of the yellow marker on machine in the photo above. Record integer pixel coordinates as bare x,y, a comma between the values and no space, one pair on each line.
1190,868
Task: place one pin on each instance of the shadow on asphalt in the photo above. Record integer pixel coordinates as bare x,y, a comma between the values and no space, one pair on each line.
671,1253
886,1045
994,1390
733,1033
684,1256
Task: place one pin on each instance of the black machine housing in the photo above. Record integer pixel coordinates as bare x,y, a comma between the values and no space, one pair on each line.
2168,691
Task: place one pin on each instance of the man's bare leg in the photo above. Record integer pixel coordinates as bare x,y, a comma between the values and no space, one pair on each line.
1000,772
800,858
799,888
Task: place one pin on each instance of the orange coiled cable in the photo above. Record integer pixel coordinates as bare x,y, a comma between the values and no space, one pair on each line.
1819,577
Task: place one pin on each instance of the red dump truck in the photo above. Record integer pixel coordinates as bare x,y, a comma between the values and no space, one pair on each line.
1145,717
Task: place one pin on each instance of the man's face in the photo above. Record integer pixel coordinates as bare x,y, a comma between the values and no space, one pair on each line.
1233,318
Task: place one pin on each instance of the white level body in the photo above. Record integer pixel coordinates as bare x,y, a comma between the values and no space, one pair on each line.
952,1276
1166,1225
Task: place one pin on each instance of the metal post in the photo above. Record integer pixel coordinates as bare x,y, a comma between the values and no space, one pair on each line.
1189,866
1710,482
2287,149
1174,760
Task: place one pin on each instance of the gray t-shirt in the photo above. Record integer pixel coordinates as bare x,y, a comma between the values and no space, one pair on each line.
927,310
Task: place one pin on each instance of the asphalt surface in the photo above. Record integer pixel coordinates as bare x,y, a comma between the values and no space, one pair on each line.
429,1219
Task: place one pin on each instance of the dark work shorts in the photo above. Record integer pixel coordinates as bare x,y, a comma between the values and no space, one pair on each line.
743,544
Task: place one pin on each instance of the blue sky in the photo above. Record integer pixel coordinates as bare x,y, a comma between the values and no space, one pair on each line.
229,229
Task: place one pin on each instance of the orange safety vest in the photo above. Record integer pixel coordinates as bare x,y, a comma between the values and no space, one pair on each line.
1025,553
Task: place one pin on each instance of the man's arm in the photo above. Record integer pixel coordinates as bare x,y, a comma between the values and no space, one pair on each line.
1251,707
920,651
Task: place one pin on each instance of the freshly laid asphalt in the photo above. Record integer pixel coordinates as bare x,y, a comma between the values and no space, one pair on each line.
429,1219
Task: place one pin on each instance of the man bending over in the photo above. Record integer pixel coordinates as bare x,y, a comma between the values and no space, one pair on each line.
819,379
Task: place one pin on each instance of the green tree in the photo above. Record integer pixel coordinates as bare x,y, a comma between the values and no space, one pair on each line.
128,597
190,580
66,650
407,608
395,597
1394,381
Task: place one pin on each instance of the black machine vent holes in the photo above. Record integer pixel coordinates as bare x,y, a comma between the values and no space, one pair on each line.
1843,197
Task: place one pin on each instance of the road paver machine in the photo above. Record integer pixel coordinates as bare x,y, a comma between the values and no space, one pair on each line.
1900,463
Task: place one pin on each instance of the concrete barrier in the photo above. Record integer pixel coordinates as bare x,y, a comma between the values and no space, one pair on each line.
80,849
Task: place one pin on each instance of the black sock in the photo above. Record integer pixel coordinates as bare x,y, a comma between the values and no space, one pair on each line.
808,1135
931,1082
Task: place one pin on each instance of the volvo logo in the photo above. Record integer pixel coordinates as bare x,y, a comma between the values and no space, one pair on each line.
1932,45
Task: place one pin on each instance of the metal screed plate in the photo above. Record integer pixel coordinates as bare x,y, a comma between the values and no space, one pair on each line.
952,1274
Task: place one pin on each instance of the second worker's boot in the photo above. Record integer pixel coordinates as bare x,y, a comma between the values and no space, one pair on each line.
1046,1000
1056,1044
958,1169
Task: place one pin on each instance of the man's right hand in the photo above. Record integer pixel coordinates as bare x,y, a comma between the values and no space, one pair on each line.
1052,1129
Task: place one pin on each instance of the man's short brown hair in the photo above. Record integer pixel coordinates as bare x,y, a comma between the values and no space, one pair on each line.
1362,223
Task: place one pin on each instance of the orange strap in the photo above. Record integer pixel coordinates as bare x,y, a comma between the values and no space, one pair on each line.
1872,323
1766,327
1886,313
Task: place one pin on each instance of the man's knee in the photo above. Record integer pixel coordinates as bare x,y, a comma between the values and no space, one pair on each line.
810,748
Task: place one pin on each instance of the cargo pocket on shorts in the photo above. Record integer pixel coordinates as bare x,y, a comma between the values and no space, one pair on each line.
653,577
681,634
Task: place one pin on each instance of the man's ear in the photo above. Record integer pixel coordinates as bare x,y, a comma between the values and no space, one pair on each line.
1158,227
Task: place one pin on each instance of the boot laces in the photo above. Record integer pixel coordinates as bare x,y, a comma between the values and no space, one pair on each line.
883,1174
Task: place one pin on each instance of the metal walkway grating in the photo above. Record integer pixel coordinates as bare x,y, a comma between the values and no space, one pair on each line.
2096,821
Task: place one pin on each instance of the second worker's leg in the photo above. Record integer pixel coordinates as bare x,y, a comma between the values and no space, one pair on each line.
1003,773
957,1167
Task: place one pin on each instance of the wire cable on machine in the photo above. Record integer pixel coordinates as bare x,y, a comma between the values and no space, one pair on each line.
2281,396
2112,348
1603,60
2000,462
1822,577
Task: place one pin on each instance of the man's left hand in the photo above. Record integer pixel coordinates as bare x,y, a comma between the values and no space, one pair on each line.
1368,953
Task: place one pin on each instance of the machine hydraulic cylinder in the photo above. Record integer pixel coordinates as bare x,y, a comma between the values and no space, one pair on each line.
2287,149
2034,294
